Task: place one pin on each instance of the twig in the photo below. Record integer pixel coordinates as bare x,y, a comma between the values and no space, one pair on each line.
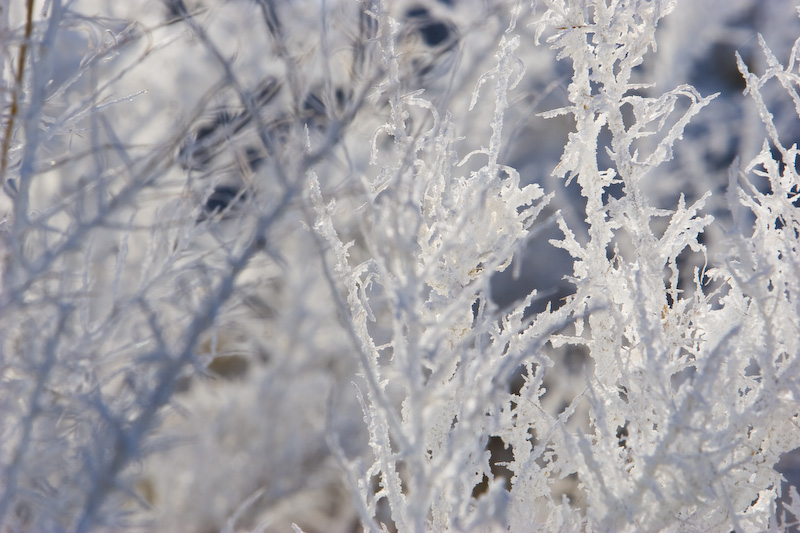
23,53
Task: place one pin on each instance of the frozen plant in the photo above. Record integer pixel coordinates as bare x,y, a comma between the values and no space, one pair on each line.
396,265
692,395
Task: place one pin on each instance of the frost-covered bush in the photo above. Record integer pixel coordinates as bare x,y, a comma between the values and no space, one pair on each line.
399,265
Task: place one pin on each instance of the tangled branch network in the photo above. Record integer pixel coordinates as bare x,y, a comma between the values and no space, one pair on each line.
399,265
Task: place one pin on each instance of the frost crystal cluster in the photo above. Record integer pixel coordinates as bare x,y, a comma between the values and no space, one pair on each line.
400,265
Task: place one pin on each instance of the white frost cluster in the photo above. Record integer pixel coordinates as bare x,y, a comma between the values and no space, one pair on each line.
395,265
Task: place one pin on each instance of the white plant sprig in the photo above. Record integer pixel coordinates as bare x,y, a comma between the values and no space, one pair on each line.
435,237
649,334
